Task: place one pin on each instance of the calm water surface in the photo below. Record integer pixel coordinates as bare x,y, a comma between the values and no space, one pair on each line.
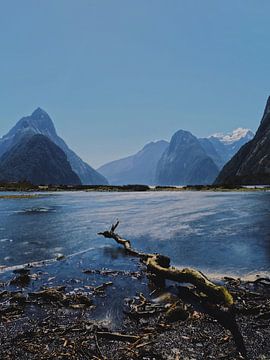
215,232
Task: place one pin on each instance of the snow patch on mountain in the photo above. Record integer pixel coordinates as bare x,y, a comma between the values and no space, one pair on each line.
234,136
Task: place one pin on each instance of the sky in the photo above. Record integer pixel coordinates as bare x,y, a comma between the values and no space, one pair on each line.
116,74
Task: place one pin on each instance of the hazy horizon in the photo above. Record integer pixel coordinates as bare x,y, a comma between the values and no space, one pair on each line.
114,76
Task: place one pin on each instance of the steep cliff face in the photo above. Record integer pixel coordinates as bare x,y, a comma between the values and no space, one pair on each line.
39,122
251,164
38,160
185,162
135,169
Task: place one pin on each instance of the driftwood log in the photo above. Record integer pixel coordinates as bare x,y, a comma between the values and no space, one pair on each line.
160,266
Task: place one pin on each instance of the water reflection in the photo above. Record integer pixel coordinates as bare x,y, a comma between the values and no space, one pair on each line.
114,252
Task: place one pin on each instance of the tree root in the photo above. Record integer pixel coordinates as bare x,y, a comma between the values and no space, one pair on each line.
160,266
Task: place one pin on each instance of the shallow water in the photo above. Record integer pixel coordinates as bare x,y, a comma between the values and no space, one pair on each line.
218,233
215,232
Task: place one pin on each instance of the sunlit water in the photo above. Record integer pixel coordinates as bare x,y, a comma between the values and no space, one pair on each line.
215,232
218,233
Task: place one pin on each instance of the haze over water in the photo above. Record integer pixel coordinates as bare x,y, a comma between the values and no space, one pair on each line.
212,231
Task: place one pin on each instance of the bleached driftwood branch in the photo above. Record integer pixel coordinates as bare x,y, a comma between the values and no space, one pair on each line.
160,266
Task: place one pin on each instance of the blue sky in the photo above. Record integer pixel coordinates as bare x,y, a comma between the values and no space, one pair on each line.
115,74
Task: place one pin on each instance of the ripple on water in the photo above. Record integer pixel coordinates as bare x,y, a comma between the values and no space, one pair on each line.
212,233
5,240
35,210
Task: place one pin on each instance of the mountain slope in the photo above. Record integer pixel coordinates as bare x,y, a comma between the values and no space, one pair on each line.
135,169
38,160
212,152
39,122
185,162
226,145
251,164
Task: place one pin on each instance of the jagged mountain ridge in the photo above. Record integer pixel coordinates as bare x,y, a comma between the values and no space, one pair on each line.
39,122
135,169
251,164
38,160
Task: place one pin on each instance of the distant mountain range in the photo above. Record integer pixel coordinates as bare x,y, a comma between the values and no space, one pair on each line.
251,164
33,151
185,160
39,122
136,169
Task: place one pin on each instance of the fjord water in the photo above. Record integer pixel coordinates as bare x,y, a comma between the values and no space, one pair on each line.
216,232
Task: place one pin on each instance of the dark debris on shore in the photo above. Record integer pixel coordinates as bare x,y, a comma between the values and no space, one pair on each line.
54,323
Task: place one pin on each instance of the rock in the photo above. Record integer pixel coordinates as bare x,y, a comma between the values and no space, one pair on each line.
177,312
21,280
60,257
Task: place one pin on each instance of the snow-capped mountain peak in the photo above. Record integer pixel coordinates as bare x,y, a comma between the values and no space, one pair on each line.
234,136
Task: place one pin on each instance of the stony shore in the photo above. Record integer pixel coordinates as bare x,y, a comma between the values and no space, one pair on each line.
55,322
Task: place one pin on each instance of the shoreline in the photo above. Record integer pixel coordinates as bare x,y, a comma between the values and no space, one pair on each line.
58,320
28,189
217,277
70,309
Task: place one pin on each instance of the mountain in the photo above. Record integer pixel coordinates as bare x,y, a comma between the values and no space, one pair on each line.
135,169
185,162
38,160
39,122
212,152
251,164
226,145
141,168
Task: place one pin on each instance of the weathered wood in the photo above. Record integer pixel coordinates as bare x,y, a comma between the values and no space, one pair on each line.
160,265
117,336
